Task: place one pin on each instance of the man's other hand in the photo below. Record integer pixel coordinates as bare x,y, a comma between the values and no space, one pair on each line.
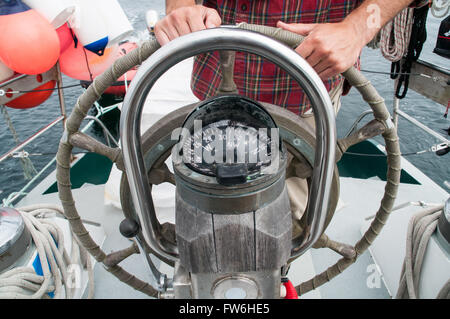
330,48
185,20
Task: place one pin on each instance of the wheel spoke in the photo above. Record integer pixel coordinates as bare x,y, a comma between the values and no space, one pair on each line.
162,174
301,168
371,129
90,144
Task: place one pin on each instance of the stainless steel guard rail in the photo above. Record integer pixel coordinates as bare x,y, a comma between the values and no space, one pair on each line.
233,39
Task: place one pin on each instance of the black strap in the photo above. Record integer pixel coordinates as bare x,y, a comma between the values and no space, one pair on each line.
395,69
417,40
403,81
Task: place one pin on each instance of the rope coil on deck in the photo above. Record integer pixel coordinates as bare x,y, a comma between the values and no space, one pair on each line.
23,282
420,228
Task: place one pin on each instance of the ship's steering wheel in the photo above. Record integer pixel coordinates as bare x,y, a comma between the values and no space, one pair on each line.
143,157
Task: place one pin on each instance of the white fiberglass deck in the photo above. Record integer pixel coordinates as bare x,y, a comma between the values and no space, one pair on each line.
361,280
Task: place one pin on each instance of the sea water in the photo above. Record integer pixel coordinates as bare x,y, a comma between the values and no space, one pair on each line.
26,122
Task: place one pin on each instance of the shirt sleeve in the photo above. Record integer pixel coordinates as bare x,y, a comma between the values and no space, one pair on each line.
419,3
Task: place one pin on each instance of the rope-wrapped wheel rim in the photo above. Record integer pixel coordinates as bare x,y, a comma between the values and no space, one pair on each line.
136,57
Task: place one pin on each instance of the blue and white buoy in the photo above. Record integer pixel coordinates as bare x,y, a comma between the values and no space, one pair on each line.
88,25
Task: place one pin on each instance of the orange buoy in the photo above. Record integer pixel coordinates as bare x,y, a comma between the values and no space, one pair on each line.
65,36
118,88
79,63
28,42
32,99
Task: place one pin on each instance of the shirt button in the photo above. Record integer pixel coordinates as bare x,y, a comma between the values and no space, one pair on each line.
244,7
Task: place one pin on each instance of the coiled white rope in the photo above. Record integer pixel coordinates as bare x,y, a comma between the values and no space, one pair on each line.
57,277
395,35
420,228
440,8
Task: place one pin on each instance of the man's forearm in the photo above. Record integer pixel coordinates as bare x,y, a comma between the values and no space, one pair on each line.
372,15
174,4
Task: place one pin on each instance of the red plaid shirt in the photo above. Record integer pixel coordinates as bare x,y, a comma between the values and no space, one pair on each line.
255,77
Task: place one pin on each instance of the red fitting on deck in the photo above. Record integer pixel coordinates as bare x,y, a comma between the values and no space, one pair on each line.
291,293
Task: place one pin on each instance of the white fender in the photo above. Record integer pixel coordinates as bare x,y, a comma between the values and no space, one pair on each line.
89,26
151,17
117,23
56,12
